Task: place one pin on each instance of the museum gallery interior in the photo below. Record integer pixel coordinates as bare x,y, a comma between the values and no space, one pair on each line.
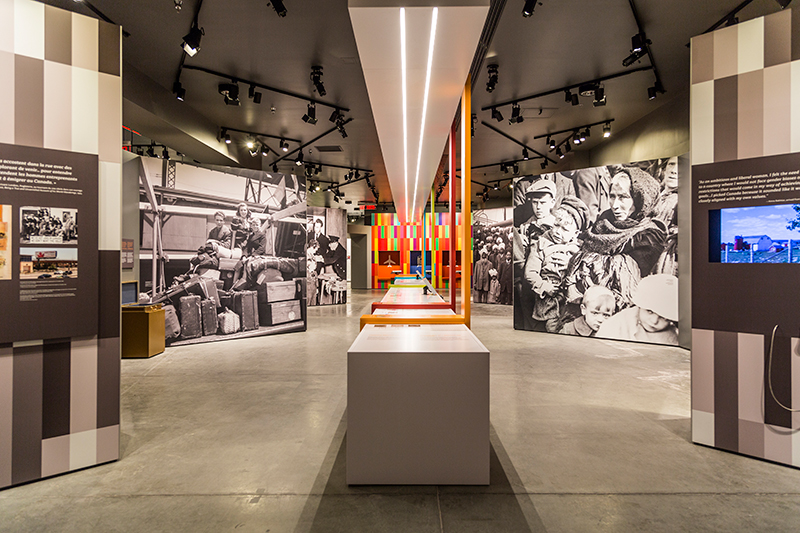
395,265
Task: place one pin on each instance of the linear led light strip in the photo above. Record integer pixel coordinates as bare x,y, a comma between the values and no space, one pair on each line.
425,102
405,100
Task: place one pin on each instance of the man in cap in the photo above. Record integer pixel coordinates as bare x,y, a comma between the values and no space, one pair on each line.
654,316
540,198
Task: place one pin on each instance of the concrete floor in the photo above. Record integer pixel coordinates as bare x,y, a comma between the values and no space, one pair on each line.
249,435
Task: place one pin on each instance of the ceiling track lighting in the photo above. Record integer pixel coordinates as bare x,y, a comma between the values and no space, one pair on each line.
559,153
607,130
639,44
583,136
275,167
528,8
179,91
316,79
655,90
165,153
284,146
178,5
525,155
299,160
279,8
515,168
311,114
491,85
497,115
231,92
191,41
516,114
225,136
599,97
254,95
151,151
551,143
576,138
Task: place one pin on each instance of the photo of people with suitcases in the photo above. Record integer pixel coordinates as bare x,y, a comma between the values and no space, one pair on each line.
326,256
595,251
227,267
48,225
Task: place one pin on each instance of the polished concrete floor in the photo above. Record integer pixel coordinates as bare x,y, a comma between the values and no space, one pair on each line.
249,435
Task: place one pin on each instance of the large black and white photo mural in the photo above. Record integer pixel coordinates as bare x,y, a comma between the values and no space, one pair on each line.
595,251
326,256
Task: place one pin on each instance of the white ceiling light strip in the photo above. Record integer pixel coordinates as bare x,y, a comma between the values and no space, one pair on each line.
425,105
405,99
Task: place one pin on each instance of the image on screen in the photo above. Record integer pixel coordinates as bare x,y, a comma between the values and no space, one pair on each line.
760,234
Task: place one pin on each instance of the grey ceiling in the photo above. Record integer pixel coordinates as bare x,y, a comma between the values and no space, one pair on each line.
564,42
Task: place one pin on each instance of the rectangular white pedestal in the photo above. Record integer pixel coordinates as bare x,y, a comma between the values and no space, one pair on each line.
417,406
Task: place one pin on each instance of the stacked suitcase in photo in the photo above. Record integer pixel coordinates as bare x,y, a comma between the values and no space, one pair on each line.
199,307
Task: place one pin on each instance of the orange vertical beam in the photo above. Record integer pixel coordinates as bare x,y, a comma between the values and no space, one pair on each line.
453,228
466,199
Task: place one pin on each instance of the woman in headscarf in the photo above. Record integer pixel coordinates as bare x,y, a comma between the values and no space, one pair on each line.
624,244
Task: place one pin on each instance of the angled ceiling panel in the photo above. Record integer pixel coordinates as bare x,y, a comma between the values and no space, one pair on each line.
416,56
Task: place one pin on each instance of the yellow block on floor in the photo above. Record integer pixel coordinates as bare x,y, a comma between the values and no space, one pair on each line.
142,330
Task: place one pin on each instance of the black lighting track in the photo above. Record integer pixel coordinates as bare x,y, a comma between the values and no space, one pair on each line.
510,138
330,165
195,23
659,87
510,162
238,79
576,128
259,134
567,88
730,19
312,141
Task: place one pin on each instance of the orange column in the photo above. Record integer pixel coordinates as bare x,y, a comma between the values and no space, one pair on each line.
453,228
466,199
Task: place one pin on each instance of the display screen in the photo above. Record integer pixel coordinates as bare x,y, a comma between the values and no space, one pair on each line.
760,234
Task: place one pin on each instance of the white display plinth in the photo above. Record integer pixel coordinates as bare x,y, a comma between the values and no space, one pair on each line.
409,295
417,406
413,312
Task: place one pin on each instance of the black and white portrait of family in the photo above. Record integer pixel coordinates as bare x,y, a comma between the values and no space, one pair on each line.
595,251
326,256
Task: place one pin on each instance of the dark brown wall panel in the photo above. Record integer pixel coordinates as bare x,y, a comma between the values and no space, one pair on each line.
57,35
28,101
725,119
108,61
109,294
726,390
56,387
108,382
26,460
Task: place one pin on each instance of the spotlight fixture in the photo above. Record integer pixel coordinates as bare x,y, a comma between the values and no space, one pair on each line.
151,151
335,116
586,134
582,136
544,164
191,41
559,153
299,160
516,114
225,136
638,49
599,97
279,8
516,168
317,188
179,91
311,114
783,3
525,155
607,130
497,115
275,167
165,153
231,92
284,145
574,99
576,138
496,186
316,79
255,149
551,143
340,126
264,150
503,168
567,147
568,96
178,5
528,8
250,143
653,91
254,95
491,85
